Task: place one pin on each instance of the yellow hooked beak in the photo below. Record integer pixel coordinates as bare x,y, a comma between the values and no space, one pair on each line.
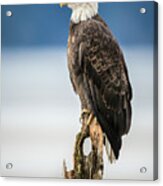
63,4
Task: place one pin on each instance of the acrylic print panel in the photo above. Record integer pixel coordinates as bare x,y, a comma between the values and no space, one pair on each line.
39,109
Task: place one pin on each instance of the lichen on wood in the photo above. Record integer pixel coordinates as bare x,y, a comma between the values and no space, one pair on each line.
87,166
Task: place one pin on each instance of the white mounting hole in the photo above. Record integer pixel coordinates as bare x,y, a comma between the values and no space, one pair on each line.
143,170
143,10
8,13
9,166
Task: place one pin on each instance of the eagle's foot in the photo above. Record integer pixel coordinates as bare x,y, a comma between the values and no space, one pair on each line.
90,119
84,114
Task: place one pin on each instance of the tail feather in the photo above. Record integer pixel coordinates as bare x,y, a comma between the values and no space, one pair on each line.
109,151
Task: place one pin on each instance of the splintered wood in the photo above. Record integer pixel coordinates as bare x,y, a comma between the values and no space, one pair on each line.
90,166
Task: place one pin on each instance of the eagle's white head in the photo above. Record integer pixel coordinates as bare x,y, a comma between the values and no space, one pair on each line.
82,11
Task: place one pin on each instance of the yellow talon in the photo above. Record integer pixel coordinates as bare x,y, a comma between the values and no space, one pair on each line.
83,113
91,117
86,111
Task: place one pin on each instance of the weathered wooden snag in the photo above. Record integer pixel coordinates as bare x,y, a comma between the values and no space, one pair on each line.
90,166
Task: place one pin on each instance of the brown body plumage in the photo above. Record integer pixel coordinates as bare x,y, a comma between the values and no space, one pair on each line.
99,76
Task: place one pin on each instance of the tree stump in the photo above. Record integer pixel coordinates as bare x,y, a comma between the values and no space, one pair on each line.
87,166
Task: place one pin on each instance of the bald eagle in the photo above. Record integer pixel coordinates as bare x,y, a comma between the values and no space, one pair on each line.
98,72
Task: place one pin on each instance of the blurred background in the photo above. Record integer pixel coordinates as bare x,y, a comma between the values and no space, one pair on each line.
40,112
47,25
